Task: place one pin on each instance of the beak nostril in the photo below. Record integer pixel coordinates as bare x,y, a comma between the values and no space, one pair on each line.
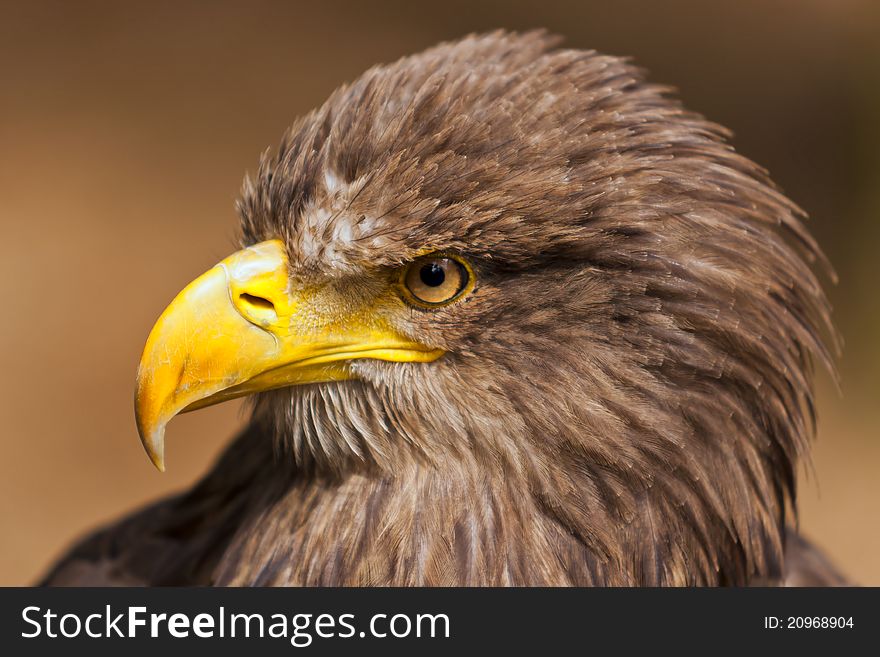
255,302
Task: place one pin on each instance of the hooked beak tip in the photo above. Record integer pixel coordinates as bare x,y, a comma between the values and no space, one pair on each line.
154,445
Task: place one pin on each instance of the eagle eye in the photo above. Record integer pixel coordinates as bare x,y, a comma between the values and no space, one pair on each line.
436,280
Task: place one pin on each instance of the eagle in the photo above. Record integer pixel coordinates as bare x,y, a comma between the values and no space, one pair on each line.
508,314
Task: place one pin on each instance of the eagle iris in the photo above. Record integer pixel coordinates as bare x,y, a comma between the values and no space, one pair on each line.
435,280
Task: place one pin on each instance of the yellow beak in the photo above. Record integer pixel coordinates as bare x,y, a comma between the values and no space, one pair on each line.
239,328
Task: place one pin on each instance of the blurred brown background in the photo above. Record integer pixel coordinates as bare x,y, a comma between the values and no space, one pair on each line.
125,130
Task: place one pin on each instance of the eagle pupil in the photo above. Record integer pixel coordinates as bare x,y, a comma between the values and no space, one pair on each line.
432,275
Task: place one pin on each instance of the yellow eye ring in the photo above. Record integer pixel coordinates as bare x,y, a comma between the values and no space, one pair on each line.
436,280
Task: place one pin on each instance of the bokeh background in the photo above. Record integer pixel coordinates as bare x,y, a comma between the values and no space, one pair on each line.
125,129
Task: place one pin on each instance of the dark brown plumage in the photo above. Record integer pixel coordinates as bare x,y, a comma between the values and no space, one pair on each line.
624,397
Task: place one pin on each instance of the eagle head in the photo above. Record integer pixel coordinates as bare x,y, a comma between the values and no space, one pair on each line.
536,276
